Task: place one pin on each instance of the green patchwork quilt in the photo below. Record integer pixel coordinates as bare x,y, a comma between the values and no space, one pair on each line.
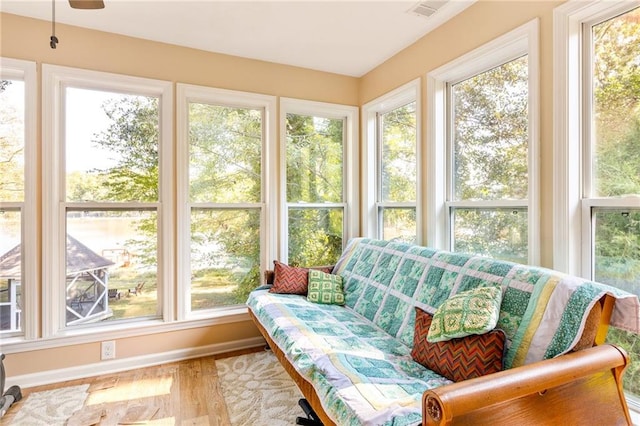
362,375
357,356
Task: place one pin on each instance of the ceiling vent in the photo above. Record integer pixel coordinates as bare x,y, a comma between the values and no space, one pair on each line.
426,8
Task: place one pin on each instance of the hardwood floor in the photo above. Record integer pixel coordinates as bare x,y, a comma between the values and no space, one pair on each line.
178,393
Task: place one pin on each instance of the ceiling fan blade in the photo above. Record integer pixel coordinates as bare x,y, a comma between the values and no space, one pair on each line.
86,4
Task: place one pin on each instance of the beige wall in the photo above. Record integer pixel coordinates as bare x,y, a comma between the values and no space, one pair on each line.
25,38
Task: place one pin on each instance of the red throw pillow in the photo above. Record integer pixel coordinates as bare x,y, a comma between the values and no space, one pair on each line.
291,279
458,359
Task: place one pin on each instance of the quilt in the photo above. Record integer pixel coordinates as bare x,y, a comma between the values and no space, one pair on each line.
362,375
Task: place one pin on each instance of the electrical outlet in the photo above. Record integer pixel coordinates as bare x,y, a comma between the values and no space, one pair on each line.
108,350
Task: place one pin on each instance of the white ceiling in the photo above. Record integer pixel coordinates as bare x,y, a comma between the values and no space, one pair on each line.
344,37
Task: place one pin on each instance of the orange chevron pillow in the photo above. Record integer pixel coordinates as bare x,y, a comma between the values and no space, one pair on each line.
459,358
291,279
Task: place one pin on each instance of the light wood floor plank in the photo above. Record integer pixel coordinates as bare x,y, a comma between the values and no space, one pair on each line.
181,393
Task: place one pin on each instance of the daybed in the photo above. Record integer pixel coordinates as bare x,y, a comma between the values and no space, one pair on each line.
354,363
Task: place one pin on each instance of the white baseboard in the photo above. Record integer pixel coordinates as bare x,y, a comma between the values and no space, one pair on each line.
118,365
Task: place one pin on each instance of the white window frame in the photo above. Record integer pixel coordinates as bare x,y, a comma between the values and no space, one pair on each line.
55,79
17,69
590,203
573,234
523,40
350,164
371,167
268,225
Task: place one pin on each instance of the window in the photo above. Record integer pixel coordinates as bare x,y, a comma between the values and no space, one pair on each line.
224,150
596,103
484,120
391,159
17,199
612,170
319,143
108,195
488,179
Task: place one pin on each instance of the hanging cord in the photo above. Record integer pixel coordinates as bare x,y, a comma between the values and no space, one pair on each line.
54,40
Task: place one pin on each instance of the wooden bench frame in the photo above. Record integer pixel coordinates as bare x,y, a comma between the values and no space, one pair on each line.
583,387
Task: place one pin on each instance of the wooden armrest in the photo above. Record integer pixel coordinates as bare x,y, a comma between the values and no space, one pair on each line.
607,303
583,387
269,275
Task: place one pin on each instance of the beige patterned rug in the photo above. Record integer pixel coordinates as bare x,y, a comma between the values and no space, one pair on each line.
51,407
258,391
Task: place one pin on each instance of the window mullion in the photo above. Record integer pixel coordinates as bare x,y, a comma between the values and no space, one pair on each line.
12,205
93,205
316,205
449,118
587,111
379,157
489,204
397,204
226,205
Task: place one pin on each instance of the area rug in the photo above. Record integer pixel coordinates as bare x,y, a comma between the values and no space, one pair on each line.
53,407
258,391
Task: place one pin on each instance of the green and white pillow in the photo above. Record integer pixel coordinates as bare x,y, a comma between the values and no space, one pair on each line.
325,288
469,312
